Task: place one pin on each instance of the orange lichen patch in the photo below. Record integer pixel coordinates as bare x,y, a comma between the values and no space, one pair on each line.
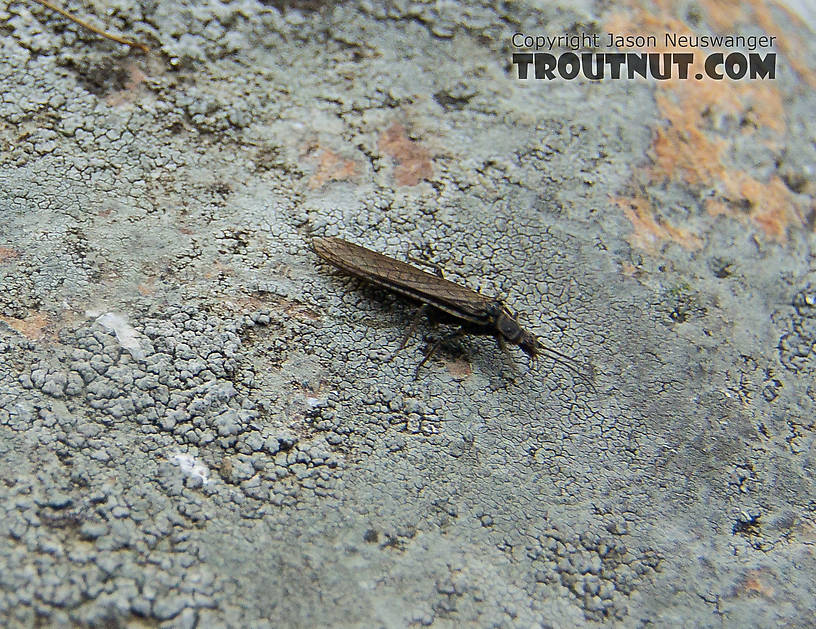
641,22
766,204
148,287
131,89
753,583
413,160
718,206
723,16
628,269
648,232
761,99
764,108
791,46
459,369
682,149
332,167
686,150
32,327
217,269
770,205
7,253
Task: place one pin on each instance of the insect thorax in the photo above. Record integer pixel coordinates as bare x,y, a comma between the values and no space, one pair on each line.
506,324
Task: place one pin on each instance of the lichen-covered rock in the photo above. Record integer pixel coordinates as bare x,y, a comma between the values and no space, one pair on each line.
200,425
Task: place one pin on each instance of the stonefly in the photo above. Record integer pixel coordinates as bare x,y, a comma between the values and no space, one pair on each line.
473,312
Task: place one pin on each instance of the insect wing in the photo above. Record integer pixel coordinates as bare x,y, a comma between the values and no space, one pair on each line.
403,278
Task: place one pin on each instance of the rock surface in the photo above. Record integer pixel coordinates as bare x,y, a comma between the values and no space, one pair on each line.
200,425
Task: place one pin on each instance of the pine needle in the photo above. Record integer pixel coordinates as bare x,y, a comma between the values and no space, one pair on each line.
93,29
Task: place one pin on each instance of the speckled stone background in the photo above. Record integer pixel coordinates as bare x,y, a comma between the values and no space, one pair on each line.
200,425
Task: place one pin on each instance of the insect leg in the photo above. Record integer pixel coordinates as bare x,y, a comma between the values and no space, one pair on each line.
457,332
423,309
506,351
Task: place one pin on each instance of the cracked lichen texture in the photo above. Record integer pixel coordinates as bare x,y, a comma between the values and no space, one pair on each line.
202,426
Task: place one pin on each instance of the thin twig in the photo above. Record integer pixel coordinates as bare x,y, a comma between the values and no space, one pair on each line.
93,29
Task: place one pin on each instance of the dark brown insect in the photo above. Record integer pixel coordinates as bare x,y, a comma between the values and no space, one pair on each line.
474,312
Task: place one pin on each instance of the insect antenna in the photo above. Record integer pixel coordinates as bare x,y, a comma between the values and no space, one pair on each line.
582,371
